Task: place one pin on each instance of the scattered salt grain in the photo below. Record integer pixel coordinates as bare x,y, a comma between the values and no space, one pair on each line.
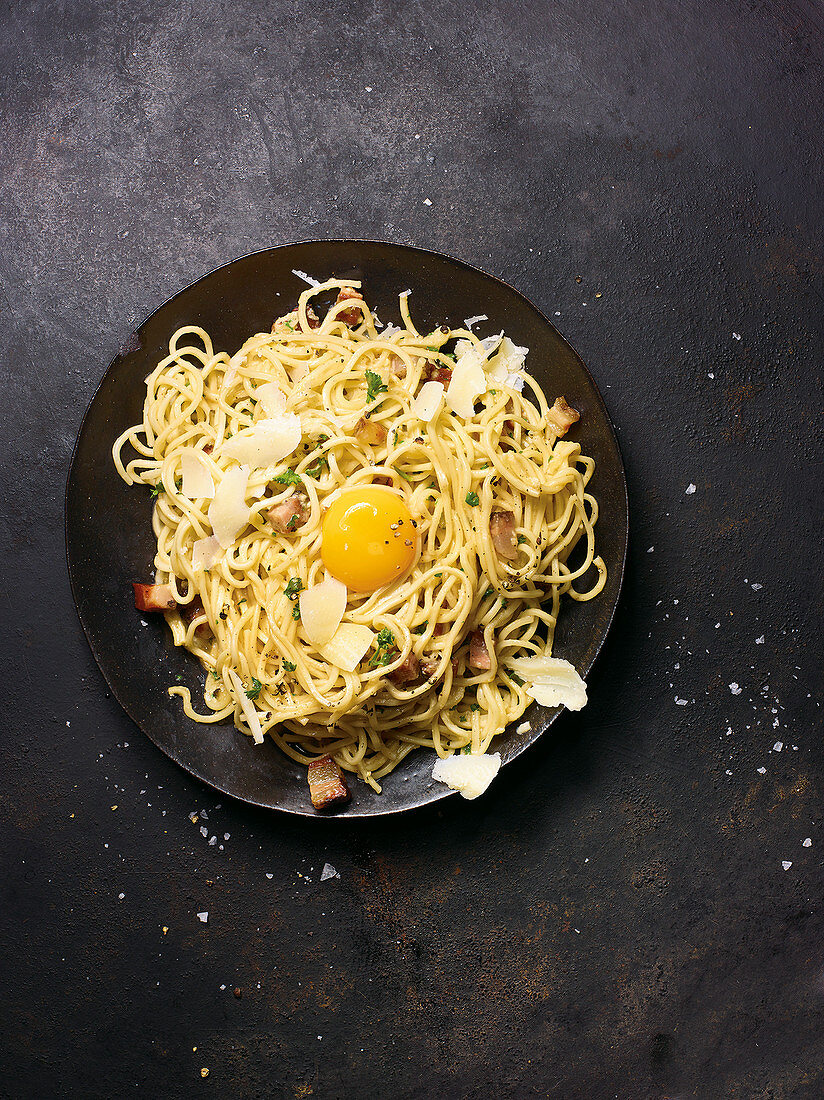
736,336
121,896
778,746
203,918
427,202
204,832
786,864
761,771
759,641
756,587
650,550
690,489
735,689
680,702
226,836
212,841
268,875
808,843
328,872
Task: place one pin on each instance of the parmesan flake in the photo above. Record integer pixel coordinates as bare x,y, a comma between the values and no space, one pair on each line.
471,775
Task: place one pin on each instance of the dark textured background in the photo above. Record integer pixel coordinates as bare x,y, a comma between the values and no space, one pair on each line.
614,918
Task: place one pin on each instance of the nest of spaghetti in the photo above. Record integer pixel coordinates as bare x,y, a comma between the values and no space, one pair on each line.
361,530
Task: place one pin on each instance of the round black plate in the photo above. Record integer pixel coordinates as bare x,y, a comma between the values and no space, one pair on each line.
109,537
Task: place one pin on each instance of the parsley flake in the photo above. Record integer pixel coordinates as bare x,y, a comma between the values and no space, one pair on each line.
294,586
374,386
288,477
473,499
255,689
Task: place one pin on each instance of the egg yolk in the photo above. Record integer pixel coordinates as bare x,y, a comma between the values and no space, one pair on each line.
367,538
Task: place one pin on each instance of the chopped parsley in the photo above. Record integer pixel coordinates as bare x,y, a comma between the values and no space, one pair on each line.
400,473
255,689
386,649
294,586
516,678
288,477
489,592
374,386
288,665
521,539
473,499
296,612
320,464
418,629
215,673
157,489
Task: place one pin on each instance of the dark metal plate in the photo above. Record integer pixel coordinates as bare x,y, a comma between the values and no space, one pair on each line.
109,538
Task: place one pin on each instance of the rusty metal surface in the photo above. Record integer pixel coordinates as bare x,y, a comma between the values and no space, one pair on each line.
634,909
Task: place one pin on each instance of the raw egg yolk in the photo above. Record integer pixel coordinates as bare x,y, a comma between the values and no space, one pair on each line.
367,538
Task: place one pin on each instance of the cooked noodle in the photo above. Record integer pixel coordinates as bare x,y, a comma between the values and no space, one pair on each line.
506,455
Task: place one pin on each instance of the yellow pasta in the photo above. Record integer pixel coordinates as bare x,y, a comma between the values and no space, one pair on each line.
453,473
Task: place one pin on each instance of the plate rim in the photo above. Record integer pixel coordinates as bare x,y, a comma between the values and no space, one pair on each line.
124,349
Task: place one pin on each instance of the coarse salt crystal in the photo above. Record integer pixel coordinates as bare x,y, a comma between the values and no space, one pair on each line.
778,746
735,689
328,872
786,864
203,918
759,641
808,843
736,336
427,202
680,702
761,771
690,489
757,587
121,896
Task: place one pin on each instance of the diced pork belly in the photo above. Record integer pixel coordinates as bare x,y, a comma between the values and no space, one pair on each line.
153,597
397,366
370,431
327,786
407,670
434,372
562,416
354,315
502,533
289,515
478,653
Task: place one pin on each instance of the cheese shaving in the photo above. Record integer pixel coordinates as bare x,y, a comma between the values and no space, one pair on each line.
427,404
321,609
198,482
229,512
468,383
272,398
551,681
347,646
266,442
471,775
247,706
206,552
